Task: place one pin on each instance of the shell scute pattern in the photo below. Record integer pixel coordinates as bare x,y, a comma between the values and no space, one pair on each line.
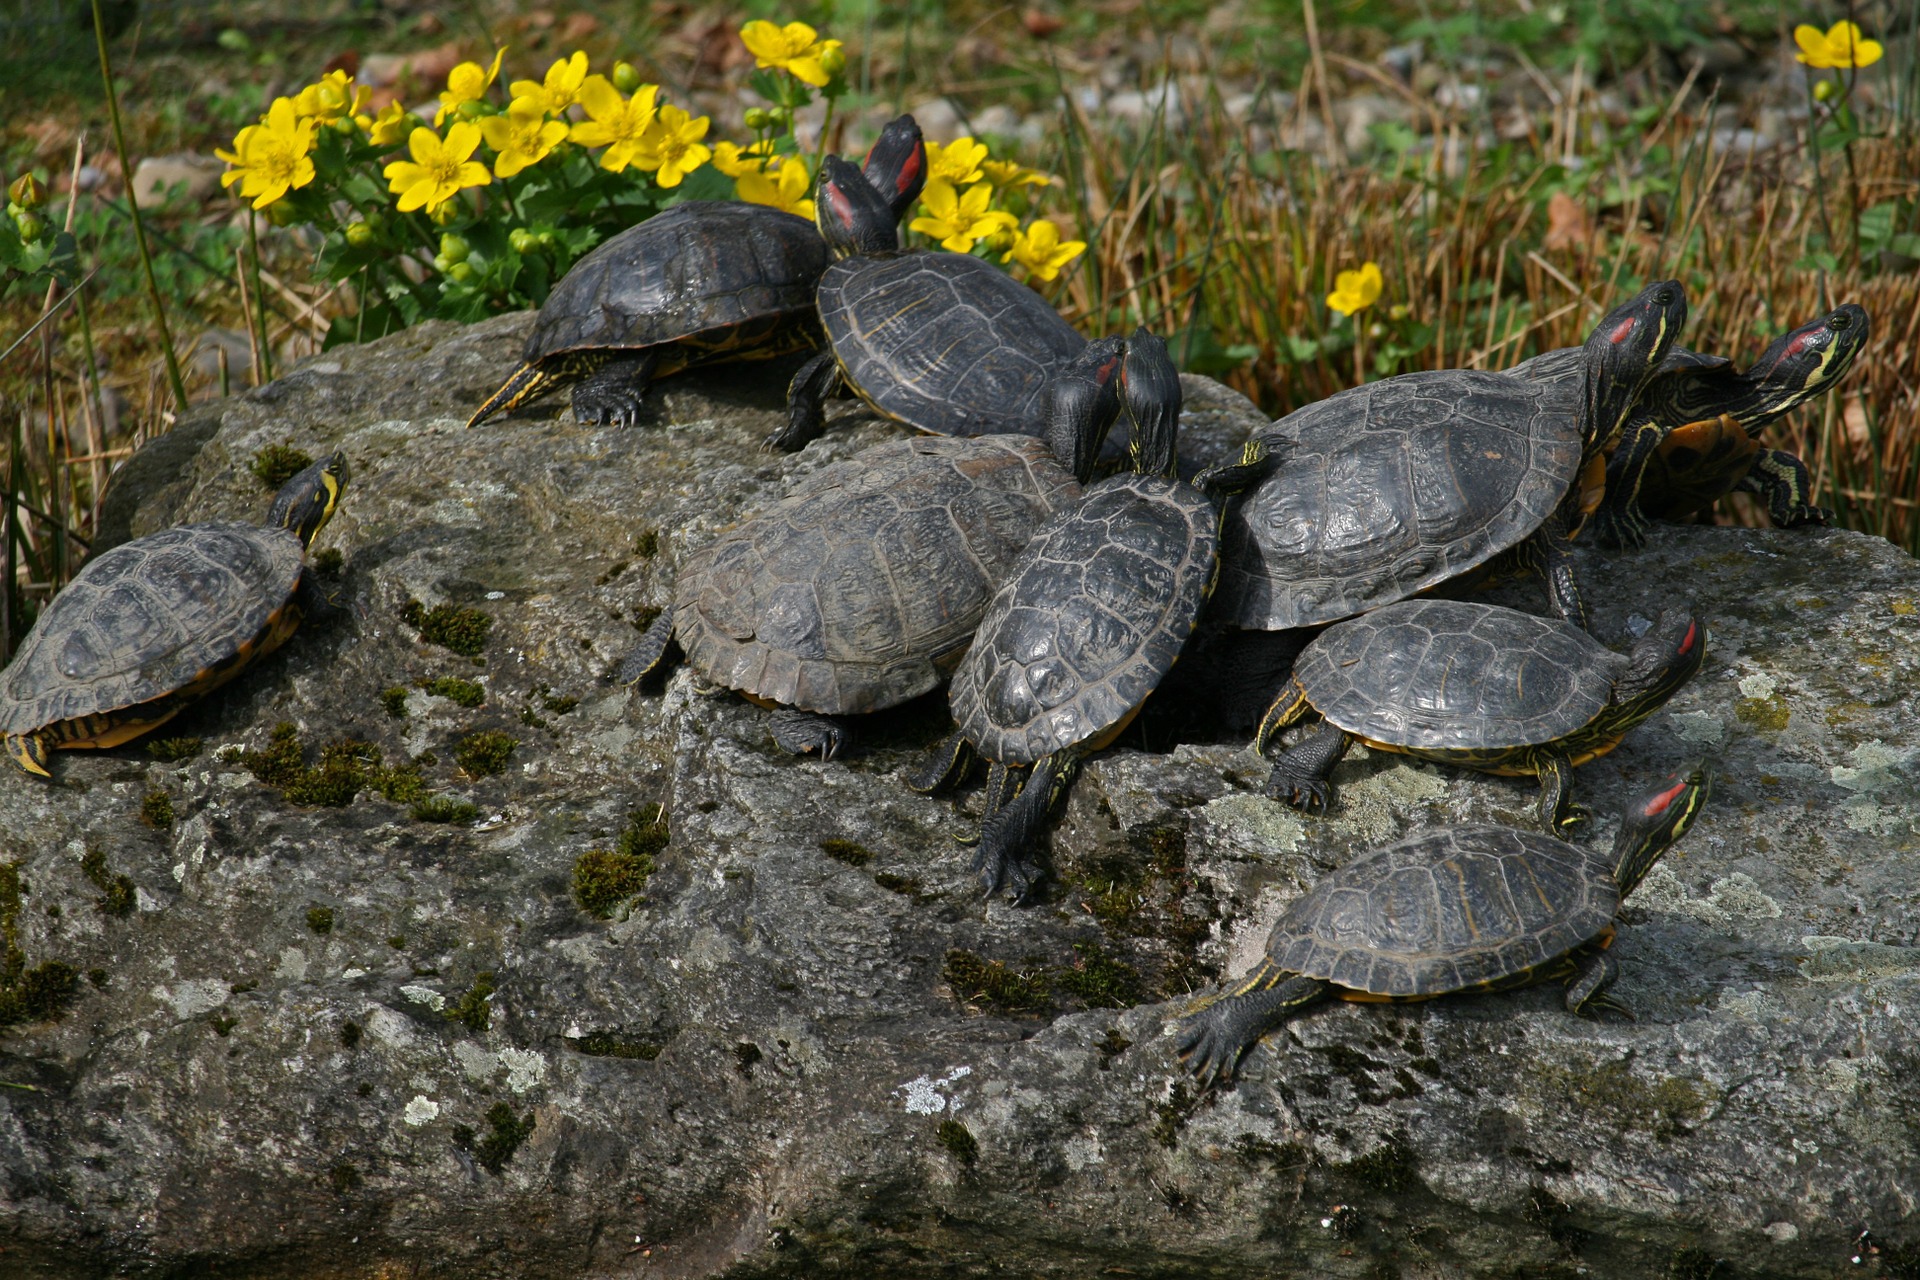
1442,674
705,265
1447,910
848,594
142,620
1392,487
944,342
1090,620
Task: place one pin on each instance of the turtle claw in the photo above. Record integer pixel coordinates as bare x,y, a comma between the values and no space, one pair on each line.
1572,820
1209,1055
804,733
1005,869
1625,529
1309,795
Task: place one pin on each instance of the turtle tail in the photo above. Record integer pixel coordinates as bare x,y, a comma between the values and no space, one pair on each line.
528,381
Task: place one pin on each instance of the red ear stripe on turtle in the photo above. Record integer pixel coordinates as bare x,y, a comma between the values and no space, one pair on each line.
1623,330
1687,641
1658,804
840,203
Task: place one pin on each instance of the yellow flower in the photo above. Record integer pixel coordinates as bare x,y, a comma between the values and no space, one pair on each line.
560,90
1006,173
391,127
795,48
1841,46
467,83
1041,250
783,185
271,157
334,96
670,148
438,170
956,221
958,162
736,161
617,123
1355,291
522,136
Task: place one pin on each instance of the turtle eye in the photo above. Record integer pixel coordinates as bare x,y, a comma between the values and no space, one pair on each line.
1839,320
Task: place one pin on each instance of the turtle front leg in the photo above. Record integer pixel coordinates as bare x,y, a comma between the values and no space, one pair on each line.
1782,479
612,393
32,752
1550,550
807,395
1587,991
1558,813
650,656
1006,855
943,768
1212,1041
1302,776
1620,522
804,732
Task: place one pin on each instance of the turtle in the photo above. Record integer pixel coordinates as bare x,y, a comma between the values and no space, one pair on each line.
1089,619
1474,684
1695,434
1470,908
704,281
1387,489
860,589
942,342
147,627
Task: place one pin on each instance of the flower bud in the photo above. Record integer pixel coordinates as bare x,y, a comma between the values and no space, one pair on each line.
360,234
625,77
441,264
342,124
461,272
522,240
281,214
30,225
440,215
1000,240
1399,311
833,61
1376,330
27,191
546,240
473,109
759,119
1824,90
454,248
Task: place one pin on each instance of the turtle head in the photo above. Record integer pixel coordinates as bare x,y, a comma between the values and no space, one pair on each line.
1662,660
306,502
896,164
1150,390
1622,354
1651,823
852,215
1082,400
1804,363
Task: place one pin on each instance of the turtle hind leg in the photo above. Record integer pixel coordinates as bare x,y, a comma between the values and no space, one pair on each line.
611,392
1006,856
1211,1042
1302,774
1587,990
805,732
944,767
1782,479
649,657
528,382
32,752
816,380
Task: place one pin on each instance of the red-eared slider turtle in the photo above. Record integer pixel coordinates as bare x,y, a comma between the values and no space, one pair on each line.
705,281
149,626
1387,489
1089,619
861,588
1476,685
1468,908
1695,433
942,342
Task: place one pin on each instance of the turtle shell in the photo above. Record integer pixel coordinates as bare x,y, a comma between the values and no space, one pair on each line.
857,591
1089,620
1447,910
705,267
146,618
1389,488
1456,675
943,342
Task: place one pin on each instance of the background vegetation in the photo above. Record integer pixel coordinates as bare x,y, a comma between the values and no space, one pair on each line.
1512,168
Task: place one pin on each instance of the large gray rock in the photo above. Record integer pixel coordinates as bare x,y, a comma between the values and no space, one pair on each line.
795,1053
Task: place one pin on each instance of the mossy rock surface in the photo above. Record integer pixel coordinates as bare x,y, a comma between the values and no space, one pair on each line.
1761,1113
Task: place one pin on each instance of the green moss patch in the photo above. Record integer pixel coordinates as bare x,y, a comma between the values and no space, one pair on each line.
854,855
27,995
472,1009
605,878
174,750
959,1141
464,692
559,706
602,1044
485,753
450,626
117,897
1099,980
505,1133
393,700
994,985
320,920
445,809
156,810
1763,713
278,463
